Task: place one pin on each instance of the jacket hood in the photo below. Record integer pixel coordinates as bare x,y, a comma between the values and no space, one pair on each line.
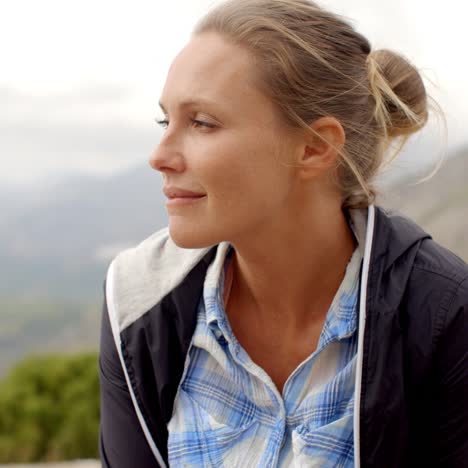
394,235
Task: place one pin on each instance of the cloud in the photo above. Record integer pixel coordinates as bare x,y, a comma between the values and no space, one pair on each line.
86,102
90,129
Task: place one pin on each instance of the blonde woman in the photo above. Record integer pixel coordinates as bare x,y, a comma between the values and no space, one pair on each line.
282,319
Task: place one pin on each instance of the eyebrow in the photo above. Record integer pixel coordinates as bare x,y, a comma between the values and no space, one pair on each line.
190,102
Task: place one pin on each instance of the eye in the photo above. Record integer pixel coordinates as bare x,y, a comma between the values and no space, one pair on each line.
163,123
201,123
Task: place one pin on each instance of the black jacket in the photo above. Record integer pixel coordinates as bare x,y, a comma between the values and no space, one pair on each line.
412,385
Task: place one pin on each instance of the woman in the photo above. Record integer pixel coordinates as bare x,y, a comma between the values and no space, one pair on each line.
282,319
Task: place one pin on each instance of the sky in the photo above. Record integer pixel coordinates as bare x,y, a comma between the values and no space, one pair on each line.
80,80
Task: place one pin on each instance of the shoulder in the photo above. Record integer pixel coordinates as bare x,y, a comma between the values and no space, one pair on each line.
442,274
140,277
441,262
437,293
445,272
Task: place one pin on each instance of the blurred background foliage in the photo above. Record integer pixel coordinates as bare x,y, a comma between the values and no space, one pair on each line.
49,409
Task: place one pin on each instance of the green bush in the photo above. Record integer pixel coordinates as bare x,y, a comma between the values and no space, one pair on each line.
49,409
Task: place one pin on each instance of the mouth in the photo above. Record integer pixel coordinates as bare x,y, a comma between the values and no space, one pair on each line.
178,201
176,196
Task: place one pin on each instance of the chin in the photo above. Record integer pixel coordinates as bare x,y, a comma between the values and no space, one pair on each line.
191,237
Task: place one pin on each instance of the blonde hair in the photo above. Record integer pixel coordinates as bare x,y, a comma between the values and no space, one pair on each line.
312,64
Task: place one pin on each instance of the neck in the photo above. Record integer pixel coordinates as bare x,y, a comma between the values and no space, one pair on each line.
290,272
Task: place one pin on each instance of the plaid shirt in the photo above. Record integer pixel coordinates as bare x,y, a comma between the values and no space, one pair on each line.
227,410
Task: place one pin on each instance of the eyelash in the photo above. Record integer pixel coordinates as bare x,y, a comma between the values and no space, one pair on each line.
165,123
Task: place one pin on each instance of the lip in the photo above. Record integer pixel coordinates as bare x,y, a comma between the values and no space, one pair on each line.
175,192
178,196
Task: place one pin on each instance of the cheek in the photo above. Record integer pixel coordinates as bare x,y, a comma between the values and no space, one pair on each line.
249,191
238,175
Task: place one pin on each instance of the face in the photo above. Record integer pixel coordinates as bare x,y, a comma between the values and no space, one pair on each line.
223,152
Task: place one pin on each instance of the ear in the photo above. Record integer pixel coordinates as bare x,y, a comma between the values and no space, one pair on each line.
320,149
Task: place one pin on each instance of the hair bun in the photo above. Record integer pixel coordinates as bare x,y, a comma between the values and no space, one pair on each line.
399,92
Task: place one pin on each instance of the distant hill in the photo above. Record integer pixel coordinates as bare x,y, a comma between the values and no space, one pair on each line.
56,243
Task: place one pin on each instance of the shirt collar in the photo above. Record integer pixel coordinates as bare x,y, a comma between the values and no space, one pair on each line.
341,319
213,293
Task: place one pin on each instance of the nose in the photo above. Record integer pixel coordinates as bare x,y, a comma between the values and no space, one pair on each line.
166,158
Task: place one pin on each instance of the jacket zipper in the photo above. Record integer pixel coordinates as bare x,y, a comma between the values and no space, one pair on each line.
361,329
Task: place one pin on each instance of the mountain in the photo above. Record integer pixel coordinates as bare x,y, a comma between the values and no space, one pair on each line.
56,243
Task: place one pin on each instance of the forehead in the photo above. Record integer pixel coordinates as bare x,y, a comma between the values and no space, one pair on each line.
212,69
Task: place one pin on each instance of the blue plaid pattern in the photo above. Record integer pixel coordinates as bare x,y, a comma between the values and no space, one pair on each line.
227,410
